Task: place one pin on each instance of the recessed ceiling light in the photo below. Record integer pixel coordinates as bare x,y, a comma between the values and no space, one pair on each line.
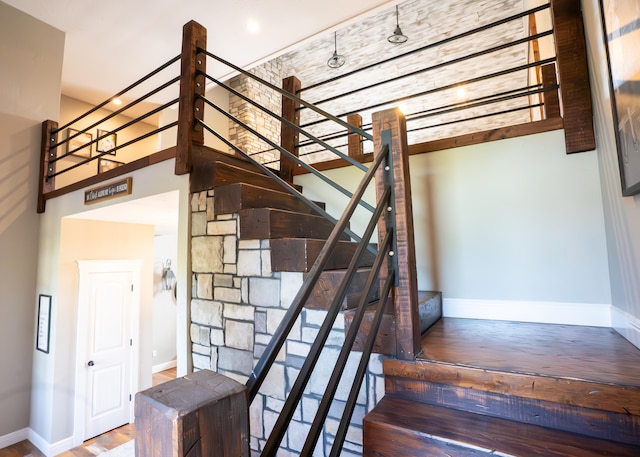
117,101
253,26
461,93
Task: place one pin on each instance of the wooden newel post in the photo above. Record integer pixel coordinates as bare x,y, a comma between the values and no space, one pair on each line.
354,140
193,66
405,294
48,151
201,414
289,136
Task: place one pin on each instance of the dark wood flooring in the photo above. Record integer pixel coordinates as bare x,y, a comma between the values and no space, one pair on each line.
94,446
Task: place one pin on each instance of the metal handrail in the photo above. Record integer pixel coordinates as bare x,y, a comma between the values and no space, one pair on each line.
119,94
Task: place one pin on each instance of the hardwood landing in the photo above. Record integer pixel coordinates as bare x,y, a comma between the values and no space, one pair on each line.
495,382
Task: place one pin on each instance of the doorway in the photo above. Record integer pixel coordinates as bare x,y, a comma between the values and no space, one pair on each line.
107,345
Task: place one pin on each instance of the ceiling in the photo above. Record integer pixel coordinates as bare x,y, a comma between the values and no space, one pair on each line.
109,45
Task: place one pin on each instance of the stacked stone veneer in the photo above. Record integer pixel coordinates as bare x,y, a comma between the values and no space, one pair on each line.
237,304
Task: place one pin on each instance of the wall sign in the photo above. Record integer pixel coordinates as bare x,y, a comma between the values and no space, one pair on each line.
107,191
43,336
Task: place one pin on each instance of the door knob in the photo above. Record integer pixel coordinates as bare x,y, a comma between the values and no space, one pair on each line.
90,363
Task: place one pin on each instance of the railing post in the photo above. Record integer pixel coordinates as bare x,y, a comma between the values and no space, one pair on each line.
289,136
47,152
405,293
354,140
573,75
193,66
550,97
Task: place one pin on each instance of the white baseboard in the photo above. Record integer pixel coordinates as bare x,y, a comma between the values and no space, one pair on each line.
50,450
626,325
14,437
164,366
597,315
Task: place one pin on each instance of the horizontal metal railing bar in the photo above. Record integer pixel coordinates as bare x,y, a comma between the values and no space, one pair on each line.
271,351
122,92
304,154
447,63
289,95
430,45
293,157
121,110
287,122
325,137
473,118
122,146
362,368
354,327
442,88
481,102
122,127
290,404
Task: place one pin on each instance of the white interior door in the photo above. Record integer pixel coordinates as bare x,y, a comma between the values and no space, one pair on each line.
109,361
106,373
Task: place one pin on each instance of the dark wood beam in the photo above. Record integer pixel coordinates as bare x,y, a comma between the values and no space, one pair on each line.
288,135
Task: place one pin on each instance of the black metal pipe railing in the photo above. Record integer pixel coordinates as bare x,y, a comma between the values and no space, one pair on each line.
288,95
430,46
268,357
123,109
285,121
280,427
116,130
447,63
110,151
341,362
293,157
119,94
442,88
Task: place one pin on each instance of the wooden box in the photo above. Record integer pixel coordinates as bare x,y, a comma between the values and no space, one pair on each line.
202,414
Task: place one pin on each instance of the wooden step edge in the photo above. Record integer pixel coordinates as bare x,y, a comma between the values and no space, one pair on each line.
596,423
323,293
299,254
563,390
402,428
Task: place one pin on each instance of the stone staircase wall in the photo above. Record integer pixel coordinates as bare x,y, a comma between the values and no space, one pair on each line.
237,304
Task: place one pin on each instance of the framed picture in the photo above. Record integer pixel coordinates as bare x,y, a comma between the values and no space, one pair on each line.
80,145
43,336
106,142
107,164
621,23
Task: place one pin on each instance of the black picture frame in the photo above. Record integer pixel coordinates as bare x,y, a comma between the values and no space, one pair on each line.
43,332
107,164
106,142
79,146
621,31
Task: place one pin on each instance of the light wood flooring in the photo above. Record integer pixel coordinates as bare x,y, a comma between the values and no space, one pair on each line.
94,446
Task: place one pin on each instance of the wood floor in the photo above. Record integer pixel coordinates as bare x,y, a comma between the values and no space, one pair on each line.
94,446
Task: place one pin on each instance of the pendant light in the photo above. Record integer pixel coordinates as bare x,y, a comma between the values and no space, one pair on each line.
397,37
336,60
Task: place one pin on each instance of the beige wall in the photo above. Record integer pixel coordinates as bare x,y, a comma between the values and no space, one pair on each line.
30,69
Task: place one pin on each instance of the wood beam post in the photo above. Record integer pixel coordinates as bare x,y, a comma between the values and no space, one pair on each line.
550,97
48,151
193,66
289,136
355,146
573,74
392,125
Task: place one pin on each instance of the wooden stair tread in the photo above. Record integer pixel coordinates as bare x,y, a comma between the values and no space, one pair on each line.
234,197
403,428
481,355
272,223
299,254
329,281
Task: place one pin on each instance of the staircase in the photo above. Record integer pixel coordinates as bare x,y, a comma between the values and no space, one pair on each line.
296,237
510,389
